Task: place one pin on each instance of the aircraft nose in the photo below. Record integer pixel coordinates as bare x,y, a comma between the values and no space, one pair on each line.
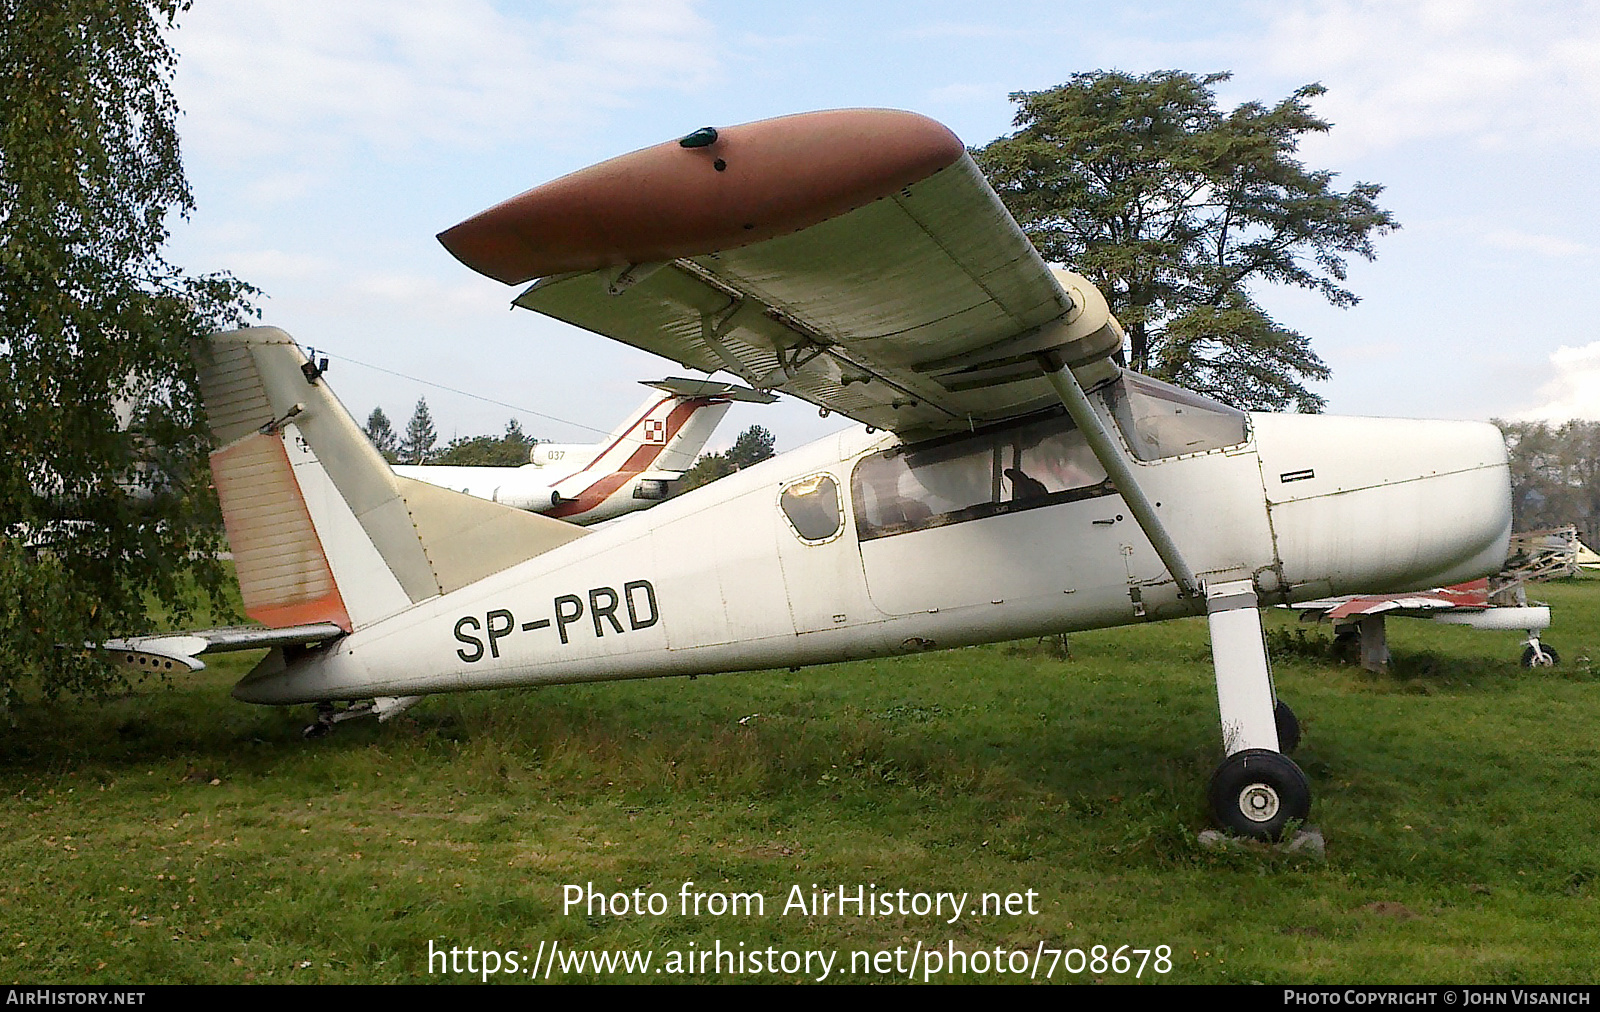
1368,505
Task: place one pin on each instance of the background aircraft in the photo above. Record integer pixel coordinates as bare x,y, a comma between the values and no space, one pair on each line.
1499,602
1008,479
632,469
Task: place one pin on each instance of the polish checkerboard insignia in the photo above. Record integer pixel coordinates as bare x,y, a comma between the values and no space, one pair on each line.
655,430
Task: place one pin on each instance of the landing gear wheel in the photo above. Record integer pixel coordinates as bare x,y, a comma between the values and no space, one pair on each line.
1346,645
1258,793
324,725
1288,727
1540,655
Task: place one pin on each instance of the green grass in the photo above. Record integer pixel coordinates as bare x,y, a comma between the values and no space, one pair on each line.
176,835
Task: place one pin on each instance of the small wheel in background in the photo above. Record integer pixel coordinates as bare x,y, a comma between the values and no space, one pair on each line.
1288,727
1540,655
1347,644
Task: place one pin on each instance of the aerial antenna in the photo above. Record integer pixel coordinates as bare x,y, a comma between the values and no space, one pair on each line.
463,393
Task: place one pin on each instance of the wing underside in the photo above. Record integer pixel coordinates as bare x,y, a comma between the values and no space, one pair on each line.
923,309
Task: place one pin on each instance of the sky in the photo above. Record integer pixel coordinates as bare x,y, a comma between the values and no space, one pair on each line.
328,144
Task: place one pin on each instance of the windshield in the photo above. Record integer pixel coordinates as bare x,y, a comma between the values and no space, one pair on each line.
1161,420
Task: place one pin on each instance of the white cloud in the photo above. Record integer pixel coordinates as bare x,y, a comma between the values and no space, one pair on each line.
1482,230
1500,75
274,78
1575,392
276,265
1543,245
280,187
424,297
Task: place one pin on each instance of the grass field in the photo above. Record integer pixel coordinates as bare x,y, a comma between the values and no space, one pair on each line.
175,835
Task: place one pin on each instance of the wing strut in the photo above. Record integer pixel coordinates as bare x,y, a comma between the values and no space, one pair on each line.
1110,456
1257,790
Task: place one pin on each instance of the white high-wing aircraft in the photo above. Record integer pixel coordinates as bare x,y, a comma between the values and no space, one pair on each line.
631,470
1007,478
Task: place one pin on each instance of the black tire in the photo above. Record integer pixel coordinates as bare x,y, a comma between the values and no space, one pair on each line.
1288,727
1346,647
1531,658
1257,793
318,730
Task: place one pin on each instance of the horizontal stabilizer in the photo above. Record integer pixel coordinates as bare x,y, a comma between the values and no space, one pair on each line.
170,652
680,386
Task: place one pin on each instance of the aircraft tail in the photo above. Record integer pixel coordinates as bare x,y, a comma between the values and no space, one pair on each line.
322,529
665,434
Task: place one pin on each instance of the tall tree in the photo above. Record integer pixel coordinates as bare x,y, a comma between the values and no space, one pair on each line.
1175,209
516,444
381,434
92,315
420,435
1555,475
753,445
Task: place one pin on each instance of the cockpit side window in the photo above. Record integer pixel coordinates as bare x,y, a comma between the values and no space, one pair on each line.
1160,420
947,481
812,506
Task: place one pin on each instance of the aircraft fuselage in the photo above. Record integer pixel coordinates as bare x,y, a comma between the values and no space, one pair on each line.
726,578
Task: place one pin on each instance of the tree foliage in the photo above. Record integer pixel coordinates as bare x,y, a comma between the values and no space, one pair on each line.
754,445
1175,209
380,433
93,317
1555,475
417,447
509,450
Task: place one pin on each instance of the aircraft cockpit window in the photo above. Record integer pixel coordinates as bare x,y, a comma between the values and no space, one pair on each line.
812,506
1018,467
1161,420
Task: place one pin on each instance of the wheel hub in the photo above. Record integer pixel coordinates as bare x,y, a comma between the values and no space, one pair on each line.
1259,802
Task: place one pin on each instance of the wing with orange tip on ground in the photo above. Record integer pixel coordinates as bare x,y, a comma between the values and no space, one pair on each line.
853,258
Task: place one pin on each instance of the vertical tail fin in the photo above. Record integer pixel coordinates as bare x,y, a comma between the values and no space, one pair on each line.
664,434
321,529
687,437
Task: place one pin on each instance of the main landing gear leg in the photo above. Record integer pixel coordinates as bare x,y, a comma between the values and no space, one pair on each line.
1257,791
383,707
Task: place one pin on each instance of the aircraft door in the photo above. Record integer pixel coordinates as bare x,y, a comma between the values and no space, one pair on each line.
1019,514
821,567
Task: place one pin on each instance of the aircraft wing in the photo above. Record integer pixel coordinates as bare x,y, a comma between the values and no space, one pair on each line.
856,259
168,652
1472,596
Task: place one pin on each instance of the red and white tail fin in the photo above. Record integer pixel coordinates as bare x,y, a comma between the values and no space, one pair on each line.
321,529
666,433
